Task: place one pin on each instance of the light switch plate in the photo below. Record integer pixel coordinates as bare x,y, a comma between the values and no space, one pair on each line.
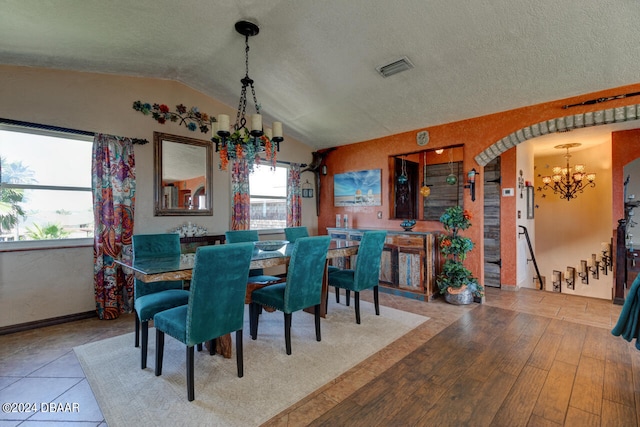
507,192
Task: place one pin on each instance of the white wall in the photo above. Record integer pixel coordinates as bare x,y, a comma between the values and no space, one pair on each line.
525,271
42,284
570,231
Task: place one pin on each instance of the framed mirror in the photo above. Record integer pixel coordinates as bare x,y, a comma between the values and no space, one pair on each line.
183,178
435,172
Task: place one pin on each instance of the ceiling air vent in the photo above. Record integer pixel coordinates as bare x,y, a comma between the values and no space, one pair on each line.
395,67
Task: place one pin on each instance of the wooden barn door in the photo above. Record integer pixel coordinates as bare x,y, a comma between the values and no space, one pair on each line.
492,261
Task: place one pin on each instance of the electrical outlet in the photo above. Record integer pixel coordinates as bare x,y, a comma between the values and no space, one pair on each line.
379,214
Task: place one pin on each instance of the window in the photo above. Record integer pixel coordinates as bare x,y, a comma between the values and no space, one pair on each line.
45,185
268,189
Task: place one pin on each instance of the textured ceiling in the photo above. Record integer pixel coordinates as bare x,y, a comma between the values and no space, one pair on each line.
314,61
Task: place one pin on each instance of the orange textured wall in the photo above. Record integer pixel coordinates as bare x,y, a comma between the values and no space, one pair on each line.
475,134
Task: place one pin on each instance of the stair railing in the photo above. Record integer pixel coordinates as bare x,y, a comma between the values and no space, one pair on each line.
533,256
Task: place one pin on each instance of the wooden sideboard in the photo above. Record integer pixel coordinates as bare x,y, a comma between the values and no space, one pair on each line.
190,244
409,264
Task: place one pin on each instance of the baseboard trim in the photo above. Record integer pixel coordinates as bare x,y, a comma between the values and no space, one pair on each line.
12,329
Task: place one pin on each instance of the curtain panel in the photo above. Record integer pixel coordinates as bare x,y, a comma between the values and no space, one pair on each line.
240,196
113,183
294,198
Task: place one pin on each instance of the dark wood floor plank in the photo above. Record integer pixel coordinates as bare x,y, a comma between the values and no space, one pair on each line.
536,421
555,394
618,383
490,397
577,417
616,414
570,348
545,352
587,387
518,406
595,343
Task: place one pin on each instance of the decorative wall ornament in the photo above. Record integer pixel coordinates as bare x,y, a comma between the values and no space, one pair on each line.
192,118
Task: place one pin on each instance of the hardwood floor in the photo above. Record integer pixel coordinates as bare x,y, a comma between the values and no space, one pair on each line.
523,358
526,358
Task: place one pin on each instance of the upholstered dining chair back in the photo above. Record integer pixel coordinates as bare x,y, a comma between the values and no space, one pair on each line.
294,233
155,245
302,289
240,236
151,298
304,277
367,271
215,308
218,286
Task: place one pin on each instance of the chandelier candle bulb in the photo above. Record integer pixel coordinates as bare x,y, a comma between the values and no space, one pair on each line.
268,133
215,127
223,121
256,122
277,129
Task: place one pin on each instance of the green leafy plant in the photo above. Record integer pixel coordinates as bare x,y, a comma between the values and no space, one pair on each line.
49,231
454,274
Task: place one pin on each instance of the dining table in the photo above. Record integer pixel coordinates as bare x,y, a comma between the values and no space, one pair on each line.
180,267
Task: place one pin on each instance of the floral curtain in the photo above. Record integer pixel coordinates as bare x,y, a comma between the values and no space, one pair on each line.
113,183
240,196
294,199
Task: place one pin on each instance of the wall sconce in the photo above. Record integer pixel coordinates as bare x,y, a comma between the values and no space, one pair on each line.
570,278
471,183
594,267
557,281
607,261
583,273
324,170
307,190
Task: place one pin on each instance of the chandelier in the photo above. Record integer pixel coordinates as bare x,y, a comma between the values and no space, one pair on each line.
568,181
242,142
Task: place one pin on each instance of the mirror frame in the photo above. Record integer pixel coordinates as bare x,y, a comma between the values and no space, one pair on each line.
419,200
158,138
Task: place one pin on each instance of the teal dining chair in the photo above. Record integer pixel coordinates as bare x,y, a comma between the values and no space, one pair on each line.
215,308
294,233
366,273
256,275
302,288
151,298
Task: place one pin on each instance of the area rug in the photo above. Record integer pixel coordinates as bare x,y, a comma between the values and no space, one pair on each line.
272,381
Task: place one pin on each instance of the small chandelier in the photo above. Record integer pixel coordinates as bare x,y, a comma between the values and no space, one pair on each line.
241,142
568,181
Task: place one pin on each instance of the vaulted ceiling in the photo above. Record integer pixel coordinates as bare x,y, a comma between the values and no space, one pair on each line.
314,62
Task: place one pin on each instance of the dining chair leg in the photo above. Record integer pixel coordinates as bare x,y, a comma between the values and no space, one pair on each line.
356,298
287,331
199,345
348,296
376,301
212,347
239,355
253,320
337,290
145,339
159,351
317,318
190,376
137,329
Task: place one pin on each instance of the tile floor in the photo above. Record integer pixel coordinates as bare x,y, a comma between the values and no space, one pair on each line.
40,365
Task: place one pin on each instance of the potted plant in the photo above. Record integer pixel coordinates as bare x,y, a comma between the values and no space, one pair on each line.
455,281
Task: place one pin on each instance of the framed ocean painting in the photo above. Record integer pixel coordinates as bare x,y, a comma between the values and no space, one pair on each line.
360,188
